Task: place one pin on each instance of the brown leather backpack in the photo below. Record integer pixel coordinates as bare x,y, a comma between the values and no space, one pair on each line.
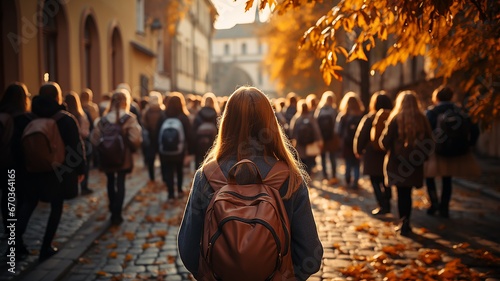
246,232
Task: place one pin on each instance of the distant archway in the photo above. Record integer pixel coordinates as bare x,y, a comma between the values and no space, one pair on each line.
90,58
54,42
10,48
228,77
116,56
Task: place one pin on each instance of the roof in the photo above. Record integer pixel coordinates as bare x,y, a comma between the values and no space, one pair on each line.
238,31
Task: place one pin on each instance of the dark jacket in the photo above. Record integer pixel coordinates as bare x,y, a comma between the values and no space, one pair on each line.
373,160
404,165
346,128
307,251
206,114
188,133
332,144
64,180
294,127
150,120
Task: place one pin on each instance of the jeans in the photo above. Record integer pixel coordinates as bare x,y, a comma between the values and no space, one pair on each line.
351,164
116,192
167,169
333,161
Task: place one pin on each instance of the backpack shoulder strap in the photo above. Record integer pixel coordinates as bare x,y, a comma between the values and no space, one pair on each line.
214,175
58,115
278,175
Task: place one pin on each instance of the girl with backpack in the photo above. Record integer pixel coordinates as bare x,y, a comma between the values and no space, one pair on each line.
117,126
305,134
205,126
74,107
150,122
249,130
174,140
407,137
351,112
325,115
366,144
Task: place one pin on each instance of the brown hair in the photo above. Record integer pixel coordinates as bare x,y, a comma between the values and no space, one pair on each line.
86,96
176,104
53,90
15,99
351,104
247,119
210,100
119,100
73,104
412,123
328,99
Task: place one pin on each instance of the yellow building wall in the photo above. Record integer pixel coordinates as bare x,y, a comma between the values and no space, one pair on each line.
106,12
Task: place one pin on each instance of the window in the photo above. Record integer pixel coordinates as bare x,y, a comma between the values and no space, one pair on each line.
226,49
50,44
144,85
139,10
244,48
116,58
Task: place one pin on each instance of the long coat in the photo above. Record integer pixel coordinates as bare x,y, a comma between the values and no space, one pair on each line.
404,165
373,160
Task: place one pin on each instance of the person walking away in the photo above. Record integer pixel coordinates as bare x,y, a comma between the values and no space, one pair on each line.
239,139
86,100
74,107
325,116
150,123
408,140
116,136
455,135
306,136
174,139
351,112
54,175
14,105
205,126
366,145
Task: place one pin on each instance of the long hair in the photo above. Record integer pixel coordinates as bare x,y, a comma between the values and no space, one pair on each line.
378,101
412,123
249,122
119,100
15,99
176,105
351,104
86,96
328,99
210,100
312,102
73,104
302,108
156,100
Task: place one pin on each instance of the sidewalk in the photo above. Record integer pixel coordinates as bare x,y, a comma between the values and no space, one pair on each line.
489,181
84,220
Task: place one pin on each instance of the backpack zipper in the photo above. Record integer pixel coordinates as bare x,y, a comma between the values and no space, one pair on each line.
248,198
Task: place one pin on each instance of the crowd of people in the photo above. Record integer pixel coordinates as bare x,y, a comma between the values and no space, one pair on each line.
394,143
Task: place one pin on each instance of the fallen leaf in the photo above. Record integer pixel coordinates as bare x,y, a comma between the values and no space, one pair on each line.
128,257
112,246
102,273
171,259
113,255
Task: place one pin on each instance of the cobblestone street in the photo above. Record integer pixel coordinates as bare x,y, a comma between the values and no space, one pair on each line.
355,242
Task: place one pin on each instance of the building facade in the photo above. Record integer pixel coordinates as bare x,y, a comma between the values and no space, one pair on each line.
237,59
79,44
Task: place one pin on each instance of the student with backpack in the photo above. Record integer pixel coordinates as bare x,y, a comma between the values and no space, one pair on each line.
407,137
306,136
150,124
205,126
325,116
455,134
351,112
14,105
248,216
174,142
366,144
74,107
116,136
54,155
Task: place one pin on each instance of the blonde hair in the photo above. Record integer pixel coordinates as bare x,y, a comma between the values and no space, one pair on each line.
351,104
210,100
156,100
249,120
73,104
328,99
412,123
119,100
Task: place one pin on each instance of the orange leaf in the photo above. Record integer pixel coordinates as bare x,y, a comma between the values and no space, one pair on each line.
102,273
171,259
145,246
248,5
128,257
161,233
113,255
112,246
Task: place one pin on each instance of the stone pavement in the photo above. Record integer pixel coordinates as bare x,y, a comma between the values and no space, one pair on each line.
357,244
84,219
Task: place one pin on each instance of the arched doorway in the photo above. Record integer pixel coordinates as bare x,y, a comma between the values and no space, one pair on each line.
10,47
54,43
116,57
90,55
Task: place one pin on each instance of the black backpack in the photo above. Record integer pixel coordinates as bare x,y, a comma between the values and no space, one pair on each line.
452,133
112,144
351,125
205,137
326,124
305,132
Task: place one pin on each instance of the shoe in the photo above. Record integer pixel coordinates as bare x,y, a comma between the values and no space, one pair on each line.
354,186
405,229
47,253
380,211
86,191
116,220
444,213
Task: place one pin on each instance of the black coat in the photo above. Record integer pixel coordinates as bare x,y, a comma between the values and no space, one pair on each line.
373,160
64,180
